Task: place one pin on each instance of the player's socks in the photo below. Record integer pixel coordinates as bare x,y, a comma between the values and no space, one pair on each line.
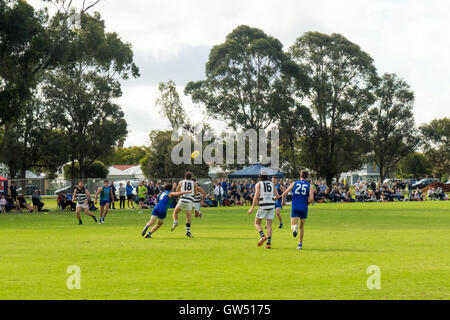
294,231
269,240
174,225
300,246
281,226
262,239
188,227
148,236
95,218
145,230
80,222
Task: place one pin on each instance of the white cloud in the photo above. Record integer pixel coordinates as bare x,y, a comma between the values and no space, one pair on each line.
172,39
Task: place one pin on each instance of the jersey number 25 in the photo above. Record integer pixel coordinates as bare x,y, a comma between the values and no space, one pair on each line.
303,191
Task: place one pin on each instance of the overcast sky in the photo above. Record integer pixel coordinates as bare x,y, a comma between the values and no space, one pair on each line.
171,39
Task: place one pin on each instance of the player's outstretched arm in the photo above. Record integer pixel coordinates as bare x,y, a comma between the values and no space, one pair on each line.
255,199
177,194
286,192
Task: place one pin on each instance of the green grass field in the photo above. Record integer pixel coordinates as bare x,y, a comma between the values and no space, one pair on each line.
410,242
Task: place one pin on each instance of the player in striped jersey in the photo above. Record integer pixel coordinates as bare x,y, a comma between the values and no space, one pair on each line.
198,200
160,210
82,195
265,196
185,202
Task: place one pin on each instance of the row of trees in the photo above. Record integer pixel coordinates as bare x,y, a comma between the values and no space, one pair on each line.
58,83
334,111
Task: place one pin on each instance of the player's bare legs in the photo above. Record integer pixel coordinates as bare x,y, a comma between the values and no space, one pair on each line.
278,211
269,233
259,228
158,225
294,226
87,212
149,224
302,229
77,212
188,223
175,218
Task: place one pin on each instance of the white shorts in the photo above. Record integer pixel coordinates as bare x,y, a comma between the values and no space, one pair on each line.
184,205
265,213
82,205
196,206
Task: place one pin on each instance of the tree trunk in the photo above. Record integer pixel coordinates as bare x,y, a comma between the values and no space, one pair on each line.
329,180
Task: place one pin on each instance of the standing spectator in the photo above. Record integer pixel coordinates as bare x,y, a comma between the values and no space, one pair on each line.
410,187
130,189
219,193
13,189
122,194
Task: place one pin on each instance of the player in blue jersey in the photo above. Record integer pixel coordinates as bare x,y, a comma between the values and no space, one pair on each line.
160,210
106,197
278,204
302,196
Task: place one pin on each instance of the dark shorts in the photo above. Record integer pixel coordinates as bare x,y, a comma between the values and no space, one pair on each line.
302,214
278,205
141,199
160,215
130,197
104,202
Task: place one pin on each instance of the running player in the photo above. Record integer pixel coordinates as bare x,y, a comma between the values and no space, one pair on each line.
82,196
265,196
302,196
198,200
278,205
106,197
160,210
185,202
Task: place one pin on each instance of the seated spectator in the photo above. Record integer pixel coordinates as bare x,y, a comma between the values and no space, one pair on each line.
9,203
36,200
440,195
69,201
399,194
208,201
335,195
61,201
2,204
22,204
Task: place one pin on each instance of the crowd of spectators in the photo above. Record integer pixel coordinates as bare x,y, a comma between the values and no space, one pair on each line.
235,193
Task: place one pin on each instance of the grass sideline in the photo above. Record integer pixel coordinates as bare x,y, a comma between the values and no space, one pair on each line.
409,241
